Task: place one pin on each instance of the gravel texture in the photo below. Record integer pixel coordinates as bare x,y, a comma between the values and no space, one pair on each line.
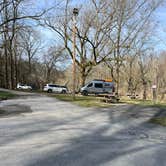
56,133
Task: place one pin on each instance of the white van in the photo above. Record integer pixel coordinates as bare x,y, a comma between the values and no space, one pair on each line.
98,87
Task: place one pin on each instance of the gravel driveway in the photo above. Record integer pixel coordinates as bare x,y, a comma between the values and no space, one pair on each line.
55,133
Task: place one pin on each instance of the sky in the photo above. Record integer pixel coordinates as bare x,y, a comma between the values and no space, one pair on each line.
159,37
160,16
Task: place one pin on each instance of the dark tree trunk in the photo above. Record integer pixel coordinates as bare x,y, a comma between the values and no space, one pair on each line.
29,64
144,90
117,79
11,70
16,69
83,76
48,75
1,70
6,69
83,79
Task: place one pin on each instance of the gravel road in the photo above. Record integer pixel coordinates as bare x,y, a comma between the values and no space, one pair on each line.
48,132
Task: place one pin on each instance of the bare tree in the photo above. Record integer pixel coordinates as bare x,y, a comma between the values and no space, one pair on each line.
160,75
11,20
9,34
31,43
53,57
91,40
12,4
131,18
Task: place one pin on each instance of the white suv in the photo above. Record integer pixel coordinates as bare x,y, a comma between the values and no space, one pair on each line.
23,87
55,88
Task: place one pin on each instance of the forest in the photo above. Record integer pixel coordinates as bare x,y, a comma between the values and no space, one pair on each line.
115,39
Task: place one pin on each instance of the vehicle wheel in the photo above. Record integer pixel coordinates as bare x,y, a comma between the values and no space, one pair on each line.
63,92
85,93
49,91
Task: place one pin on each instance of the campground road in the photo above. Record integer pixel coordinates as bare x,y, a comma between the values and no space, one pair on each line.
56,133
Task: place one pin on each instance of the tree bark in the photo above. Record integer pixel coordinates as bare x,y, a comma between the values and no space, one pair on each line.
83,77
144,90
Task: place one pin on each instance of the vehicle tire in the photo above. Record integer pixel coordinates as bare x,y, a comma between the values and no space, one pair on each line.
63,92
49,91
85,93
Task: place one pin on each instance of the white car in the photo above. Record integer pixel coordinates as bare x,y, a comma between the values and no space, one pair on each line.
55,88
23,87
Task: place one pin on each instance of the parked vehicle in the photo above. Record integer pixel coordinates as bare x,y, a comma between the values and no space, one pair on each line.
23,87
55,88
98,87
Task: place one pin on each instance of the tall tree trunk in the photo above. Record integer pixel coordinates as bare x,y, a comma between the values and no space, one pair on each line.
29,64
83,76
15,67
130,83
118,66
11,68
118,61
82,80
48,75
1,70
118,79
144,90
6,67
5,44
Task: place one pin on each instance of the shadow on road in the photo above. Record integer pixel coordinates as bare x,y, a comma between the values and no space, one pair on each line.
12,110
102,148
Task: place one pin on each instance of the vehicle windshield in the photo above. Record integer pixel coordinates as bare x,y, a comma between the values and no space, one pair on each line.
87,84
90,85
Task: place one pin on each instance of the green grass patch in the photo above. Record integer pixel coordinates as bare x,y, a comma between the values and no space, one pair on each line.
84,101
93,101
159,120
6,95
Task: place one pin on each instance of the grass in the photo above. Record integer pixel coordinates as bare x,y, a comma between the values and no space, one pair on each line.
159,120
84,101
149,103
143,102
92,101
6,95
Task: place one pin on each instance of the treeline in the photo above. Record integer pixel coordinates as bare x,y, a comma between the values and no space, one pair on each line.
14,30
113,37
107,32
137,76
21,54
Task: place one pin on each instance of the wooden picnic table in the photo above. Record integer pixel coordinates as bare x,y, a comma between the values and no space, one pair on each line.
109,98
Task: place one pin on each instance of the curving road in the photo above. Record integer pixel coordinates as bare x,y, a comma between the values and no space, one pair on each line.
43,131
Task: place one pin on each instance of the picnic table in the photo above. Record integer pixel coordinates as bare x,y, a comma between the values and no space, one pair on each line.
109,98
